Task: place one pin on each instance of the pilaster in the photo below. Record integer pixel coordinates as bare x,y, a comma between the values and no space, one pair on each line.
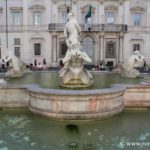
121,47
101,37
54,50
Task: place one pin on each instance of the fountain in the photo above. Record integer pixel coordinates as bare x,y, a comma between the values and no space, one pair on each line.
2,82
73,74
75,104
16,68
28,132
23,130
127,69
78,94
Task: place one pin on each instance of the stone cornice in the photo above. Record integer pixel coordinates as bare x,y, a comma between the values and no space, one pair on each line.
111,7
39,7
12,9
137,9
137,6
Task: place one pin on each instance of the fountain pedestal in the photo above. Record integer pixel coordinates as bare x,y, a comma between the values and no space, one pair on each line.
73,74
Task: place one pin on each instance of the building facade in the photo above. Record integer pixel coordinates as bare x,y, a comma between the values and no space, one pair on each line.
35,29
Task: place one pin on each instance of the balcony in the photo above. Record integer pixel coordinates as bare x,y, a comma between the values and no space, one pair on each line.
58,27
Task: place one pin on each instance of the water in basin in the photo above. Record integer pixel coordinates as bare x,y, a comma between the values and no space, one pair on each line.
20,130
51,80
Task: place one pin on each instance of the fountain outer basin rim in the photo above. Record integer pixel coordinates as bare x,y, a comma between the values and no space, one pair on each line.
76,105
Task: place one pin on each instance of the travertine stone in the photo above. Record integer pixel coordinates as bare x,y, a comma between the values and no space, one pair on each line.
16,68
127,69
73,74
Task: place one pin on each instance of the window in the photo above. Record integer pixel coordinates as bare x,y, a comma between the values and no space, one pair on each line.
16,18
88,46
110,17
17,51
37,18
136,19
37,49
136,47
16,41
63,49
110,50
37,12
63,17
110,64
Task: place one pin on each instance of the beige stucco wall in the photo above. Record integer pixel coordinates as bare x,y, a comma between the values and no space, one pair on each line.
51,14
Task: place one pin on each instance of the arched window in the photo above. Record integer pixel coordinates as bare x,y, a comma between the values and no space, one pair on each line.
88,46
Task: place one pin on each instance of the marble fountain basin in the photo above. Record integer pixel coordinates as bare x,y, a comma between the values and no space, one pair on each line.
41,94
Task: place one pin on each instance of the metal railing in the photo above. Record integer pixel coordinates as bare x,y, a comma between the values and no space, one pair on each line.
139,29
94,27
59,27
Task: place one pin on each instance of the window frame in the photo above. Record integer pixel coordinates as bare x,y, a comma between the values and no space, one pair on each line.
88,46
136,45
19,19
17,41
36,53
17,51
113,55
39,20
61,45
137,20
138,10
112,17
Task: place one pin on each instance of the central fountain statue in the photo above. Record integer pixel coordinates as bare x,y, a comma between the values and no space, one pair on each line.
73,74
